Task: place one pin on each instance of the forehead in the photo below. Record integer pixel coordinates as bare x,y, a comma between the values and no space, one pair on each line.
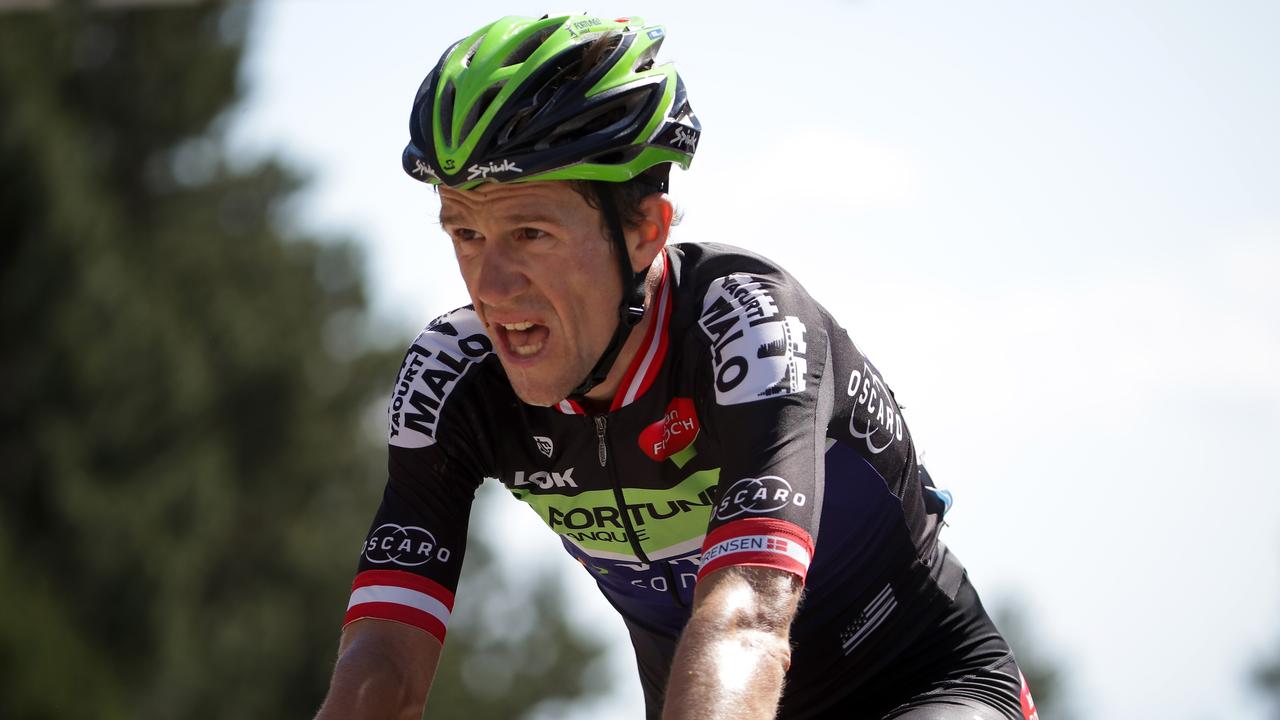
548,201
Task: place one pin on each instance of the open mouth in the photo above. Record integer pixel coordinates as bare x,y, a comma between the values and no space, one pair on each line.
522,339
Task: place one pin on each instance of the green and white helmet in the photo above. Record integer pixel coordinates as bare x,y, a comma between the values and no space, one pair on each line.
569,97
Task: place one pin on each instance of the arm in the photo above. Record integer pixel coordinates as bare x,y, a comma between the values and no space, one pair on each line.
384,671
734,653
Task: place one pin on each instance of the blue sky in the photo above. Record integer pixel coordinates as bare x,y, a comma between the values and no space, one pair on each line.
1054,226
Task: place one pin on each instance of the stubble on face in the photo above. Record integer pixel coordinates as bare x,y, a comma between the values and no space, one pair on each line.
536,253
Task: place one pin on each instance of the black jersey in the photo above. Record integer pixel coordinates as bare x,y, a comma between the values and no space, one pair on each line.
748,430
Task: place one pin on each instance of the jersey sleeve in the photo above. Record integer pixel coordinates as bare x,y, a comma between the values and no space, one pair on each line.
412,556
767,399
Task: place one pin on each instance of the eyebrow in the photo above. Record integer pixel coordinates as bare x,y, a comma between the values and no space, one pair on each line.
518,218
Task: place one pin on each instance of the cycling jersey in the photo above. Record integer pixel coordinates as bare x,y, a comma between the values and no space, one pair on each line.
748,430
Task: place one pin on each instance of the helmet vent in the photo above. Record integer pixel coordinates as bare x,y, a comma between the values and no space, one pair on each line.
480,106
471,52
645,61
575,65
447,97
526,48
601,119
598,50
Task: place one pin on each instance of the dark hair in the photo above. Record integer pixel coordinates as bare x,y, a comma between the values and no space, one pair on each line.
627,195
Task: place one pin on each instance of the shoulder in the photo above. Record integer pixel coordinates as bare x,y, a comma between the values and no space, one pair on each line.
752,317
715,279
447,350
706,260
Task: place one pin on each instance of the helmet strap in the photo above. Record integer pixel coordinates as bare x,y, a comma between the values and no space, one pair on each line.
630,308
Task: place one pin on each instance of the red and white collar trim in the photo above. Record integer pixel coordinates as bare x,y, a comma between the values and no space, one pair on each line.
648,360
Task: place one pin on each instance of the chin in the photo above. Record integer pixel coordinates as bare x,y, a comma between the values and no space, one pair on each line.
539,398
546,383
538,393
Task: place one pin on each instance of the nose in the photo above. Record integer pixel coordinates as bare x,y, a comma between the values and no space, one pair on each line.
501,275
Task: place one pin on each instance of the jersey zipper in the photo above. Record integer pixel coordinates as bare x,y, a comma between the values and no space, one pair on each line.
602,454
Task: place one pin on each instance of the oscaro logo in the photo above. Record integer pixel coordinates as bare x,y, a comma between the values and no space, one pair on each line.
404,545
757,496
877,410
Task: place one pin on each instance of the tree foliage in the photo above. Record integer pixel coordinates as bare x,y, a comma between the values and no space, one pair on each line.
510,646
187,456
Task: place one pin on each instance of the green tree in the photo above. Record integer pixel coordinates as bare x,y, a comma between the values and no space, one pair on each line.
510,647
187,459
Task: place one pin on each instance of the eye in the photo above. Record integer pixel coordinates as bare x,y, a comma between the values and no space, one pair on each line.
528,233
465,235
466,242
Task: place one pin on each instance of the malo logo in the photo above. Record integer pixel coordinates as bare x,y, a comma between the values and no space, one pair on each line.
442,354
673,433
757,352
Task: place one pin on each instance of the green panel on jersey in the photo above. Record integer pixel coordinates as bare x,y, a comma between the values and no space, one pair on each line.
683,457
667,522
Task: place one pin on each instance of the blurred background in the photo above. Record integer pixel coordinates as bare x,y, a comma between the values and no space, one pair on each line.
1055,226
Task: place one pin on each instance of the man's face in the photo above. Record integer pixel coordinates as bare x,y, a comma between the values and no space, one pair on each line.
541,275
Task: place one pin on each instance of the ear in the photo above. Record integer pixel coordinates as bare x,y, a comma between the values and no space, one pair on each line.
647,238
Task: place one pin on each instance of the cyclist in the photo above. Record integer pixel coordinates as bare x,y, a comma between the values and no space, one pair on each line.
701,434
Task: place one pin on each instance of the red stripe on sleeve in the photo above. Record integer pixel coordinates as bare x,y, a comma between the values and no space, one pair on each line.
775,555
400,578
398,613
756,559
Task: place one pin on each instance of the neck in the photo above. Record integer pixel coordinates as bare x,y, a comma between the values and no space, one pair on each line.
600,398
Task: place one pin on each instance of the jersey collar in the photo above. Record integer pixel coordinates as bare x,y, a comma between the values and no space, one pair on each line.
648,359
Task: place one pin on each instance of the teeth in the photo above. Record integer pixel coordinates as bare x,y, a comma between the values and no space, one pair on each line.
517,326
527,350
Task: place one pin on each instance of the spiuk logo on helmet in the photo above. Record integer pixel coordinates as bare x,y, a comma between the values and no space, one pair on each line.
483,171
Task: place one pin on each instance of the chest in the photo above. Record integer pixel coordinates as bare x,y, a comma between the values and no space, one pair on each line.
638,483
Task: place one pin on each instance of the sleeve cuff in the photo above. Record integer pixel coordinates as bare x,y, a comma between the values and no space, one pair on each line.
402,597
759,542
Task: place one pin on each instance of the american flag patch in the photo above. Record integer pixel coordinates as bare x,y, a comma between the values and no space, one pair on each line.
869,619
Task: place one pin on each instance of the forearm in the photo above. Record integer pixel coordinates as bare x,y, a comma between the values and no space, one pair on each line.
368,685
723,672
